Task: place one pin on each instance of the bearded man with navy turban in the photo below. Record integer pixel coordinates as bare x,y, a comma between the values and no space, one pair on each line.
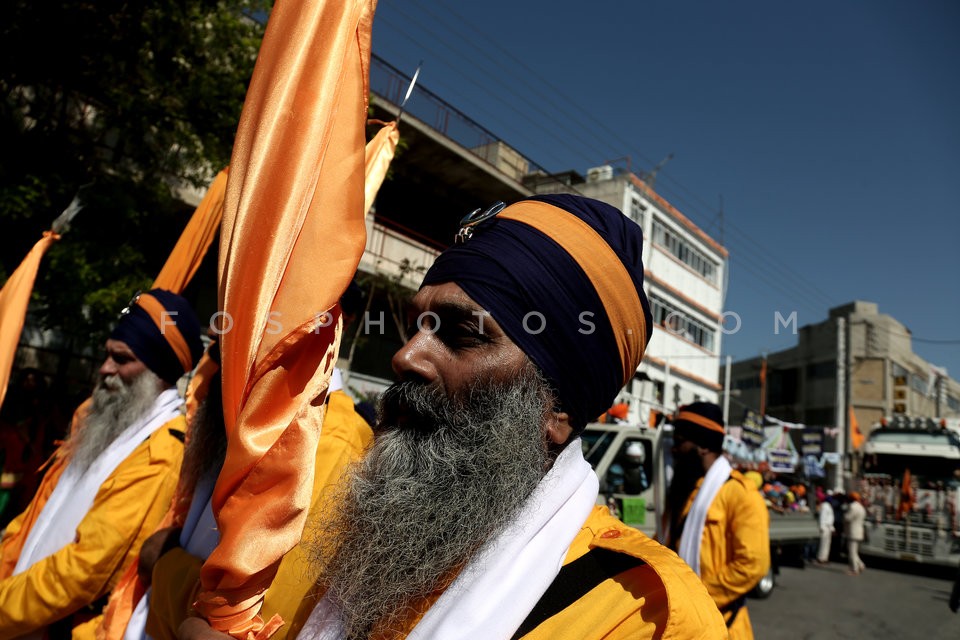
109,485
474,513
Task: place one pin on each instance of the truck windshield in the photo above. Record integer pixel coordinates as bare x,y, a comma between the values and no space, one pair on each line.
595,444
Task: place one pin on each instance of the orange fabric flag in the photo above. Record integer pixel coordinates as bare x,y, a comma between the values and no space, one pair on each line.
192,246
14,300
906,496
291,239
856,436
379,154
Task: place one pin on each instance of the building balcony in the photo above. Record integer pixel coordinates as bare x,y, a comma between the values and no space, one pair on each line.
396,253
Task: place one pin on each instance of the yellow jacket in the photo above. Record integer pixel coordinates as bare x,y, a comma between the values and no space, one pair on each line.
127,508
660,598
344,438
735,552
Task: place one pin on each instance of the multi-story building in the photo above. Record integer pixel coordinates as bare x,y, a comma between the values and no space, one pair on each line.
881,375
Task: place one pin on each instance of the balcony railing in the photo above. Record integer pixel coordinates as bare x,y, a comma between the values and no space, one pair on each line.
395,254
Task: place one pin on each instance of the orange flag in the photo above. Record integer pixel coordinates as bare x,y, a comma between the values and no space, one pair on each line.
292,236
192,246
378,156
856,436
14,299
906,496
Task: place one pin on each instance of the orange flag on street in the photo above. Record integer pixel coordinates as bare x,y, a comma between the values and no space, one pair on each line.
856,436
292,236
14,300
192,246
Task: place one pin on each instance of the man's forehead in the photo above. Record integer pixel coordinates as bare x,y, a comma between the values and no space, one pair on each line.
120,347
447,295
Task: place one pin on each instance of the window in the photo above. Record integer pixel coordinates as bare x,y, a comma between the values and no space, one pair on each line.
680,324
631,470
918,383
822,370
953,403
685,252
637,209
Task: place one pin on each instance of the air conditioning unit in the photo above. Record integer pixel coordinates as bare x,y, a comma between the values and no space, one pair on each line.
598,174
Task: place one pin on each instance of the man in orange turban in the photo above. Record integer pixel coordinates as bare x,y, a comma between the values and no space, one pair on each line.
112,481
718,520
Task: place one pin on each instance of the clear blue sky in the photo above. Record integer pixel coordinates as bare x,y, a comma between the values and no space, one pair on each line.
831,131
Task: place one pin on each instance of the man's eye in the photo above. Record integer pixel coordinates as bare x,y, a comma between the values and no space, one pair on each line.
463,338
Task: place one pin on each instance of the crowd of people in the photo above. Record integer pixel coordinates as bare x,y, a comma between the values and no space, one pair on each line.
466,502
468,507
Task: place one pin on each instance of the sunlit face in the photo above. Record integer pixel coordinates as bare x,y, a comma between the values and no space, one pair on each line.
121,362
456,343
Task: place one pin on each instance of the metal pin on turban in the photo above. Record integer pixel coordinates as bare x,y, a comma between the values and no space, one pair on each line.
470,221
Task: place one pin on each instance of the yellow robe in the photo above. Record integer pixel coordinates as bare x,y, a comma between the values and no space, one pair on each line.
343,439
127,508
735,552
661,598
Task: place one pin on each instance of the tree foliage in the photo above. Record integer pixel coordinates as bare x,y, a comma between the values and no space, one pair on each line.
120,101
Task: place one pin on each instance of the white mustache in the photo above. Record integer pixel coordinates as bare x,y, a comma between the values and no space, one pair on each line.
112,382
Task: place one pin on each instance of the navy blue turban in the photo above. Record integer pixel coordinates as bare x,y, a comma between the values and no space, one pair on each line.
163,332
563,276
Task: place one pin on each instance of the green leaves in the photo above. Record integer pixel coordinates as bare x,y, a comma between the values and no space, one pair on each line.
125,100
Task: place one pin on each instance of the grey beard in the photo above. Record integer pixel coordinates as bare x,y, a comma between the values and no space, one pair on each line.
429,494
112,412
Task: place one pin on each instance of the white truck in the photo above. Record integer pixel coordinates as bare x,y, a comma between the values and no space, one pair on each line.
919,524
632,463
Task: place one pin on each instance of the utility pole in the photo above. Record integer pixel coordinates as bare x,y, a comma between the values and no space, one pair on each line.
726,393
841,401
763,387
666,385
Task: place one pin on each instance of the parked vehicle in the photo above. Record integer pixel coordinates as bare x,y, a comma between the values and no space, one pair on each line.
633,464
910,480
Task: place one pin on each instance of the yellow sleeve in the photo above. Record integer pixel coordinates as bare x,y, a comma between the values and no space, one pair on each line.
174,588
747,544
127,507
662,599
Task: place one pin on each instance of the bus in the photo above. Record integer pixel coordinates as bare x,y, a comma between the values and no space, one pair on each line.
909,478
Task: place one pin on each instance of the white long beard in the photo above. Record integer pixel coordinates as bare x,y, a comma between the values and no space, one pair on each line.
429,494
116,405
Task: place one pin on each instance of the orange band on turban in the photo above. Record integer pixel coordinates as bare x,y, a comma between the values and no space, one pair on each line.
602,266
166,323
696,418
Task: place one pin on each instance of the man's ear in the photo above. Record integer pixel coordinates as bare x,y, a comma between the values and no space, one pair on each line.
558,428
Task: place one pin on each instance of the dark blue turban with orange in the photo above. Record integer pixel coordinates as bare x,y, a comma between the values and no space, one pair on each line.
562,275
162,330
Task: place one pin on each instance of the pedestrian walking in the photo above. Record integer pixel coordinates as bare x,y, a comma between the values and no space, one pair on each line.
854,519
826,531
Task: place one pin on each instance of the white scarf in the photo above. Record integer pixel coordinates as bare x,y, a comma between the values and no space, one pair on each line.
493,594
692,536
76,490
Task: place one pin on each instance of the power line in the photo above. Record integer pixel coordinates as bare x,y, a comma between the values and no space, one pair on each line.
748,258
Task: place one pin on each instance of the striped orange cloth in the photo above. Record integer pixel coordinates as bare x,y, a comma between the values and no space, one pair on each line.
195,240
292,236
